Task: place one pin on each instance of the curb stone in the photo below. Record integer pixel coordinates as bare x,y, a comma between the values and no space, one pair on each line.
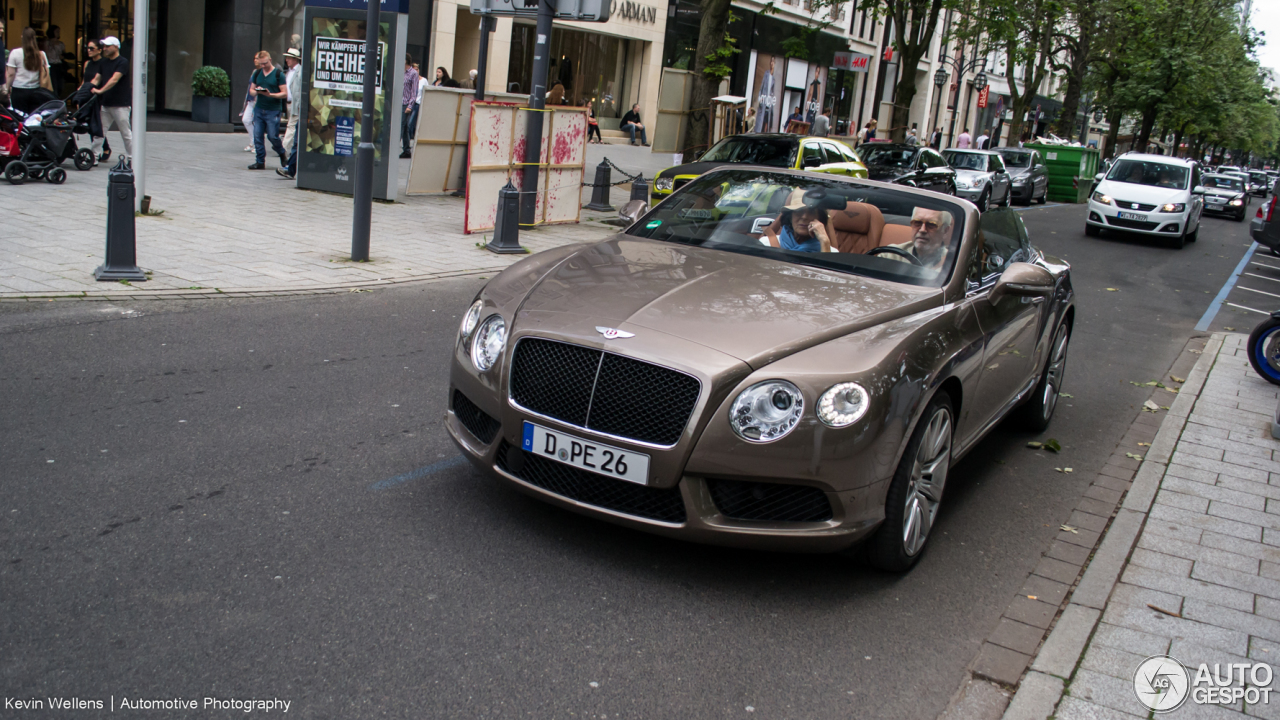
1062,651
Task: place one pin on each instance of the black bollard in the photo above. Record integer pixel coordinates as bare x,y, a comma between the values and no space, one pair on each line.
640,190
122,256
506,229
600,193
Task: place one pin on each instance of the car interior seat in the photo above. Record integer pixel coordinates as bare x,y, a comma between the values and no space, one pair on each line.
856,229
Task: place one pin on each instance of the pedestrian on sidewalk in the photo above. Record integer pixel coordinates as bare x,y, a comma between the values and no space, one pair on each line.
55,49
88,103
593,126
983,140
409,91
631,123
113,86
268,88
912,138
293,84
965,140
26,75
935,140
470,82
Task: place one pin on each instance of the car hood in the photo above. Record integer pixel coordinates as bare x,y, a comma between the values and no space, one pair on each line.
1223,192
1150,194
754,309
971,175
886,172
693,168
1018,172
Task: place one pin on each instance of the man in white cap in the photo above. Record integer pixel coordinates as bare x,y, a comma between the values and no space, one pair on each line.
293,86
112,86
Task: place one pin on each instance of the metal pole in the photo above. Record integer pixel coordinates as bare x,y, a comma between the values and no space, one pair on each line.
956,102
537,101
362,216
482,68
141,22
937,107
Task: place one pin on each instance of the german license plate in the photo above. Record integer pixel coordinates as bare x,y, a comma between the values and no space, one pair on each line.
1216,201
1132,216
587,455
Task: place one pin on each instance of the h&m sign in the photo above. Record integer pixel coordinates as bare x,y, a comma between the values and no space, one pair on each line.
857,62
628,10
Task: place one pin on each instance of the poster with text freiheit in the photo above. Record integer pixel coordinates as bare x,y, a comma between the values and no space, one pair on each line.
337,86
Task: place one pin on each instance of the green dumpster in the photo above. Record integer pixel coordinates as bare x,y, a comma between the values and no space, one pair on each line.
1071,170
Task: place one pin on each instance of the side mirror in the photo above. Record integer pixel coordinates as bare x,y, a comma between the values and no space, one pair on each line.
633,211
1022,279
1197,190
1098,177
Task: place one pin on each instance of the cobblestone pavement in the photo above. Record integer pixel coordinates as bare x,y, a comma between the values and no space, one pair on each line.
228,230
1190,564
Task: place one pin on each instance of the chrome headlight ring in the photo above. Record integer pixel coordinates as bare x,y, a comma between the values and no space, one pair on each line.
843,404
488,343
766,411
470,319
663,184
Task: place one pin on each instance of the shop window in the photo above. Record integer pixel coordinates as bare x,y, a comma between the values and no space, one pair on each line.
592,68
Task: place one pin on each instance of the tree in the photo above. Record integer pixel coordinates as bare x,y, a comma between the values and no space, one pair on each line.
911,41
709,68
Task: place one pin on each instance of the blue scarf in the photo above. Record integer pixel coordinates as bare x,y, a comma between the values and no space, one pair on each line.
787,239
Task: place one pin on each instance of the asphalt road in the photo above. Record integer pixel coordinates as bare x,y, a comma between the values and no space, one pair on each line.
256,499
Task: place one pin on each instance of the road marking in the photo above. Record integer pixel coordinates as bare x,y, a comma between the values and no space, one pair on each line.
1226,289
1258,291
1264,277
1272,267
419,473
1242,307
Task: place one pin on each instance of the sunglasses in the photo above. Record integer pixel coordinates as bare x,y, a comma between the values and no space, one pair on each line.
929,225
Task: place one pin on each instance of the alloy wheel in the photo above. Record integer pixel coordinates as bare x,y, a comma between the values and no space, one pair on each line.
1055,372
928,479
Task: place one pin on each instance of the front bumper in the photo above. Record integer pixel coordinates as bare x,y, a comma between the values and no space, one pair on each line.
677,503
1225,209
1157,223
971,193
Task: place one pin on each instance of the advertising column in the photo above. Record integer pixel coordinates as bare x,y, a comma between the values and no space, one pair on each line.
333,86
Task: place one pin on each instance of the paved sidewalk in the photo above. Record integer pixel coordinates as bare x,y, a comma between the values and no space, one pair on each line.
228,230
1190,563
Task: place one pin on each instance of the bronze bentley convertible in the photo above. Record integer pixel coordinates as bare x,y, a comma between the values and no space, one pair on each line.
768,359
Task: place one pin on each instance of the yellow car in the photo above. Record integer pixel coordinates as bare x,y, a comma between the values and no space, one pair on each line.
780,150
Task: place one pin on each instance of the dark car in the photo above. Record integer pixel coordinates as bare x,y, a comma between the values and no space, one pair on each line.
912,165
1029,173
1225,195
779,150
1260,183
1265,227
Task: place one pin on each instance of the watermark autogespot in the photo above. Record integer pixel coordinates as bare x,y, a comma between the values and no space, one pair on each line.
1163,684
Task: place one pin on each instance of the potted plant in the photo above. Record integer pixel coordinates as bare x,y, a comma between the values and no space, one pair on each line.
211,95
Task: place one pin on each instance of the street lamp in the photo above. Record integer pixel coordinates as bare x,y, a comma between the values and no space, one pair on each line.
939,80
961,68
980,81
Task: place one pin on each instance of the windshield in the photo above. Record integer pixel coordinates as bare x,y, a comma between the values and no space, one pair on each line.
1258,178
1148,172
773,152
891,156
1223,182
1016,159
814,221
966,161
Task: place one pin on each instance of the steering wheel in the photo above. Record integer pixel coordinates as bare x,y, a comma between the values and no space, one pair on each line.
896,251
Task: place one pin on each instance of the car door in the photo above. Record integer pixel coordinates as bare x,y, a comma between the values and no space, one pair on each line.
1011,325
836,164
1197,201
1001,181
937,179
811,155
1039,175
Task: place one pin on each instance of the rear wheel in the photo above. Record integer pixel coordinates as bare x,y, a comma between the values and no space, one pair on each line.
16,172
1039,409
84,159
1044,197
1264,350
915,492
56,176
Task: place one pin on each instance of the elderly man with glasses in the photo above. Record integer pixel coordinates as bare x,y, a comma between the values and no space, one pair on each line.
931,229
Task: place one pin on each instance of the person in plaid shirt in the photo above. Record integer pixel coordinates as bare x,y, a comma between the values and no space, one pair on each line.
410,93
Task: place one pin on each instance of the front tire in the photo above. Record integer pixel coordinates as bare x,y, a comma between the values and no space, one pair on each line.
1195,234
1044,399
1264,350
84,159
15,172
984,201
915,493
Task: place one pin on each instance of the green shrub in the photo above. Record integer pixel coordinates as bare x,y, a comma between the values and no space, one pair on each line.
211,81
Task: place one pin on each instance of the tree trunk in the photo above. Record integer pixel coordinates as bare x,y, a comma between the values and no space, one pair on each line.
903,94
1144,131
1113,132
715,23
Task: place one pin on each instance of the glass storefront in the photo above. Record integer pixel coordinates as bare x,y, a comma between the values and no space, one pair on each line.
592,67
281,27
182,42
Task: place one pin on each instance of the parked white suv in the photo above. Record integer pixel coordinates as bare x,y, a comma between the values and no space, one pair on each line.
1148,194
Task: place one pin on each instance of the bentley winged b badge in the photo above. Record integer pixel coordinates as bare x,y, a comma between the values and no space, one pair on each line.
613,333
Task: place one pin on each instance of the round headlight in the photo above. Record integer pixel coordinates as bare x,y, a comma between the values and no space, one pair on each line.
843,404
766,411
663,183
471,318
486,346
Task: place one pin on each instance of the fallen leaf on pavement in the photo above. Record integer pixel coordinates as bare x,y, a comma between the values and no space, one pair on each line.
1069,529
1150,406
1035,445
1166,612
1144,444
1177,379
1067,470
1052,445
1133,455
1224,327
1058,469
1111,290
1066,395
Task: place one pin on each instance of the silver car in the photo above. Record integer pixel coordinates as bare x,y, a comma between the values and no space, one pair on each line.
981,177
